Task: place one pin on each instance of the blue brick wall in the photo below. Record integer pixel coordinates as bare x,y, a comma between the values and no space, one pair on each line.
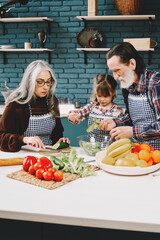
73,76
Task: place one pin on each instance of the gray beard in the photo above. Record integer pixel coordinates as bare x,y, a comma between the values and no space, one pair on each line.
128,80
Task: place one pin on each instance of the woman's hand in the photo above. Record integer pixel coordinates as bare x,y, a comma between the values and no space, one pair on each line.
122,132
34,141
64,140
73,117
106,125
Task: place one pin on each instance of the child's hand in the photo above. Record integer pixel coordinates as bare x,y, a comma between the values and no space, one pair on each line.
73,117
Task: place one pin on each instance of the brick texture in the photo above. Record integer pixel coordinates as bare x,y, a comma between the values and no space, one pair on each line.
73,76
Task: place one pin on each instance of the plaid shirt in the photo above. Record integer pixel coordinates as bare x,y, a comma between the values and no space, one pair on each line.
84,112
149,84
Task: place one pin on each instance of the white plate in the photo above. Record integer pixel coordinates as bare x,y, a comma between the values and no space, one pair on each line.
123,170
7,46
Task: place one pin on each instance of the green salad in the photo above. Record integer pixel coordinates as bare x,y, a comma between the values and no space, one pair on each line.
91,148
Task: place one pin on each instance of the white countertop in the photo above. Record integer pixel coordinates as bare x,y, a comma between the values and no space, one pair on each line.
64,109
105,200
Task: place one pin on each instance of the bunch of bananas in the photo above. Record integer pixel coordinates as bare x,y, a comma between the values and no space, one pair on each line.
119,148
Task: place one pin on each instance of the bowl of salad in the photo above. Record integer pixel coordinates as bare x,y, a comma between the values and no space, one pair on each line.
92,144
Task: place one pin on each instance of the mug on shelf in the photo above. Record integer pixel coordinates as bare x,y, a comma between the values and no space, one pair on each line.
27,45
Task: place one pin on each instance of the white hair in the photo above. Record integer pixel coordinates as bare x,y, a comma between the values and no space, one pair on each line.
25,92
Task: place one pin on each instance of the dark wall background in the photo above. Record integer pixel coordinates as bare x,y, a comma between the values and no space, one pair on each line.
73,76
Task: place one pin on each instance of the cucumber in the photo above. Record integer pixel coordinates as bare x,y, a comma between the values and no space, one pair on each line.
57,162
60,145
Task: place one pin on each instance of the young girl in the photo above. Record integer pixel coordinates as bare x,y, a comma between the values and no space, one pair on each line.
101,106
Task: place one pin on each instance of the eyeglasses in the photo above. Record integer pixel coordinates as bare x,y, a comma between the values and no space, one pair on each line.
42,82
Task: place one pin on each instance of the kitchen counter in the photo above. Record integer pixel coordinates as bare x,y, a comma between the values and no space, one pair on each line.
105,201
64,109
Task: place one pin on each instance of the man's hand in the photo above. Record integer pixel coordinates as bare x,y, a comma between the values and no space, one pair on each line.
106,125
121,132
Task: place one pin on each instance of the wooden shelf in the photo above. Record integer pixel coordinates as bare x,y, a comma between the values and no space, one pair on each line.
107,49
86,50
26,19
116,17
48,50
26,50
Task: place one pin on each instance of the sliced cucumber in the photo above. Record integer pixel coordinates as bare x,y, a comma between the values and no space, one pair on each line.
60,145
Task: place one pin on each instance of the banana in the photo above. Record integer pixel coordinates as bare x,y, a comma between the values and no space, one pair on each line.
122,155
116,152
117,144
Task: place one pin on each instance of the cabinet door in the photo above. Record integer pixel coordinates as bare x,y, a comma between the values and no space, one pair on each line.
73,131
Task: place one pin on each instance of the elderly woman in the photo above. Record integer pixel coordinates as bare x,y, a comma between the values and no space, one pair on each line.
32,113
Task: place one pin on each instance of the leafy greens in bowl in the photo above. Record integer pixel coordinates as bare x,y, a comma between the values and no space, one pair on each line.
92,144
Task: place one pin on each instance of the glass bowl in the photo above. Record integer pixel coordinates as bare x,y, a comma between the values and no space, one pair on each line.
92,144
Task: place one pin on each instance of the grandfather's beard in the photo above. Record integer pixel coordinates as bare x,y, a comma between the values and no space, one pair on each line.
128,79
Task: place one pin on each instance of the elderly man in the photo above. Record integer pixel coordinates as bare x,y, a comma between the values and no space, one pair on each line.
141,92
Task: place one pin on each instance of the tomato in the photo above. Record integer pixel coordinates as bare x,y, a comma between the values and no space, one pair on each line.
48,175
46,163
31,170
39,173
58,176
37,165
136,147
52,170
28,161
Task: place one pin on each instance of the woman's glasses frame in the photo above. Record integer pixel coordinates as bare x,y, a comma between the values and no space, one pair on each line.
42,82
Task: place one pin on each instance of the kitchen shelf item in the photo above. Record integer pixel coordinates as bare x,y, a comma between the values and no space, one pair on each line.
127,7
116,17
85,36
92,7
25,19
42,37
7,46
124,170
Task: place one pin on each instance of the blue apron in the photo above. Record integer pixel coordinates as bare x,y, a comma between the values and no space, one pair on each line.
95,114
141,113
41,126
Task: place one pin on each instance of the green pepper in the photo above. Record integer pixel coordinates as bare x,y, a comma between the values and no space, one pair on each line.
56,161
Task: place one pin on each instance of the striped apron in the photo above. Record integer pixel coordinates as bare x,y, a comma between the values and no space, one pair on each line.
141,113
41,126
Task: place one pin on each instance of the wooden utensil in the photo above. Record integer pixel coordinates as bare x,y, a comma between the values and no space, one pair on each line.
11,161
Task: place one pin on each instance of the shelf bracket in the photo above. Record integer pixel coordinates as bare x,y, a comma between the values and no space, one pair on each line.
149,57
49,26
150,25
85,22
49,57
85,57
4,57
3,28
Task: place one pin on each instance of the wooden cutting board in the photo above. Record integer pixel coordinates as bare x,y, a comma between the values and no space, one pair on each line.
23,176
11,161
